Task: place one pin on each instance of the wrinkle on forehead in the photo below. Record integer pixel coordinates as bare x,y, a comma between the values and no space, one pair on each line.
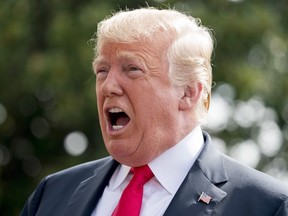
148,56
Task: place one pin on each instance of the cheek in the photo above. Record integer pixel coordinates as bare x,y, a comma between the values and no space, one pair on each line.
160,116
99,109
101,116
166,118
158,134
99,97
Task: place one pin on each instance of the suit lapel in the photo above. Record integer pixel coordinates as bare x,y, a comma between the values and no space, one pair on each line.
89,191
205,174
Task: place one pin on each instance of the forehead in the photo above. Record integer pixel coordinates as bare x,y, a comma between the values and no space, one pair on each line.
127,52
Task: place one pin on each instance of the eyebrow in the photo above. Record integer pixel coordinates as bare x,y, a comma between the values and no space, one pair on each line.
121,56
133,58
98,60
124,55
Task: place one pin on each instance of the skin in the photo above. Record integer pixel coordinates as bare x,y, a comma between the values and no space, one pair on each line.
134,77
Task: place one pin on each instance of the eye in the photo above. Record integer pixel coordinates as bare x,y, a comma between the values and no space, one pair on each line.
101,72
133,71
133,68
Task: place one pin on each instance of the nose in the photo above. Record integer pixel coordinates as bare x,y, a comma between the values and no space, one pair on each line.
112,86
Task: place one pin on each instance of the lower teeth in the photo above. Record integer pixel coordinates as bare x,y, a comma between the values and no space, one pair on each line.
117,127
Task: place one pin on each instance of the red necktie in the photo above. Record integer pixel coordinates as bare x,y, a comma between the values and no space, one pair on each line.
131,199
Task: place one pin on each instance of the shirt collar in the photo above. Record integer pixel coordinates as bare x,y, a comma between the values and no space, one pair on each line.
172,166
119,176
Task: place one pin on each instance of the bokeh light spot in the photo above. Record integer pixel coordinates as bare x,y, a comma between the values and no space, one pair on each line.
219,113
75,143
248,113
270,138
246,152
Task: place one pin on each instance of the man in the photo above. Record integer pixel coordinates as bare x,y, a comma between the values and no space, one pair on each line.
153,85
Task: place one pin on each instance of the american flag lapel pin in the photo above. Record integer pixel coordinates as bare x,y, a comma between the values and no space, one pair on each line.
204,198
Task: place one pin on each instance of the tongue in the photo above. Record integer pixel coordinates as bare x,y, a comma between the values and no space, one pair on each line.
122,120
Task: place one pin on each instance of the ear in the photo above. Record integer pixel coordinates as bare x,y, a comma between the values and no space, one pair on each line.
207,102
190,96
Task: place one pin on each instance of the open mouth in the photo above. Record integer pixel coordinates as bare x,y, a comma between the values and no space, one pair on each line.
118,119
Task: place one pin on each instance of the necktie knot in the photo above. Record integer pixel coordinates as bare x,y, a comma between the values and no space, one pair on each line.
141,174
131,199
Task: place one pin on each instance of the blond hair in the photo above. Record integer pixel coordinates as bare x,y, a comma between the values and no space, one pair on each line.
189,50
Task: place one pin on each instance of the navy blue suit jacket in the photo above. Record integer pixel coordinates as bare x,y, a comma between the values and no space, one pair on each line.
236,190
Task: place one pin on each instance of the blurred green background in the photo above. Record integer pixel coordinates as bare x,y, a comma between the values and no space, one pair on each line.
48,114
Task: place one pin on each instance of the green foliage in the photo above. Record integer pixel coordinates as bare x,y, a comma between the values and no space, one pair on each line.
47,83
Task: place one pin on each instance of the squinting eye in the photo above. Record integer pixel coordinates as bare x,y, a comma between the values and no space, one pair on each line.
133,68
101,70
134,72
101,73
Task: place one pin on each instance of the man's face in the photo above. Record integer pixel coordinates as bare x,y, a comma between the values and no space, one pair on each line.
137,104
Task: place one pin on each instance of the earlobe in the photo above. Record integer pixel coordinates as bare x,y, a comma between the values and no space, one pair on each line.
190,96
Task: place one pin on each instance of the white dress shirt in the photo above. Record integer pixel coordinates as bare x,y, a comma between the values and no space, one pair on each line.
169,169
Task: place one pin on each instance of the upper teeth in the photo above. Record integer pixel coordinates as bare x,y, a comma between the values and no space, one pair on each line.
115,110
